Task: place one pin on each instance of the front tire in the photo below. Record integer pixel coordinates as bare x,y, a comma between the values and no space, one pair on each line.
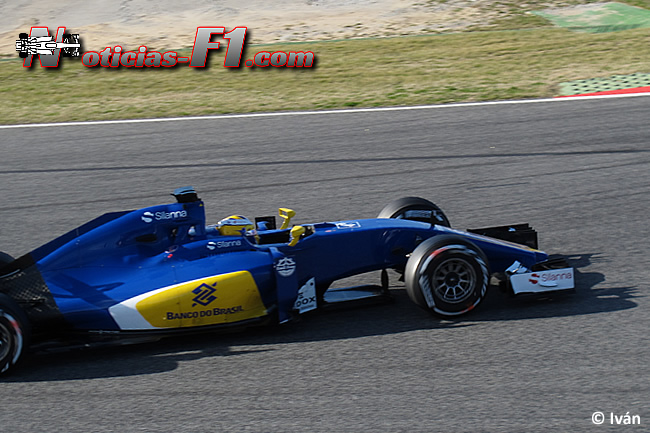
447,275
14,333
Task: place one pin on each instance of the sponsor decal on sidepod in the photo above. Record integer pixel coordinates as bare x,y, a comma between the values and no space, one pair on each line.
207,301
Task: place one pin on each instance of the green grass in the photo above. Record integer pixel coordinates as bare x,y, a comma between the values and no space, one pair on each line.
516,15
474,66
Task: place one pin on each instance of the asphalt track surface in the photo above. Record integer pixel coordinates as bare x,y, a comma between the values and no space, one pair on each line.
578,171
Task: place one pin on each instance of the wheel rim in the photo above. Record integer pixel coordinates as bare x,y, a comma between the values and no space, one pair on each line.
11,341
6,340
454,280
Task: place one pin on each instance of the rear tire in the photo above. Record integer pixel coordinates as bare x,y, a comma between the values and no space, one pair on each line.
5,258
14,333
447,275
415,209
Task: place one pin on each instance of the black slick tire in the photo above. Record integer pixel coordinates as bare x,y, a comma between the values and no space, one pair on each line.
447,275
14,333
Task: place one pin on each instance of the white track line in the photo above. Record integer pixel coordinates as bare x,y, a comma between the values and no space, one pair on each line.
308,113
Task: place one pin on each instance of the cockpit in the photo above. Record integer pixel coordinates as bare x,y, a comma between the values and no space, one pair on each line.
261,231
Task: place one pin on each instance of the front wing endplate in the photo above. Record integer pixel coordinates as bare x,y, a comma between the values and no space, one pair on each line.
543,281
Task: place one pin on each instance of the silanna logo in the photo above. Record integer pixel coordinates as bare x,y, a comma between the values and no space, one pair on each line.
550,278
149,217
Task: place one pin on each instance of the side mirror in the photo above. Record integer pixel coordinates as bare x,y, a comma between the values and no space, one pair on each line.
296,232
286,215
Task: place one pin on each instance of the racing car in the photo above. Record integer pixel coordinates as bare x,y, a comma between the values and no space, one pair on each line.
45,45
163,270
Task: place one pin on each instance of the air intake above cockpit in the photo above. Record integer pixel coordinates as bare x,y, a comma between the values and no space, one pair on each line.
186,194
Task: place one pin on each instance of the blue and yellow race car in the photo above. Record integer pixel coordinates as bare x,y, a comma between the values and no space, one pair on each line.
162,270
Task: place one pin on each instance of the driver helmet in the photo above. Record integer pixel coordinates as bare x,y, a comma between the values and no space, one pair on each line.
234,224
